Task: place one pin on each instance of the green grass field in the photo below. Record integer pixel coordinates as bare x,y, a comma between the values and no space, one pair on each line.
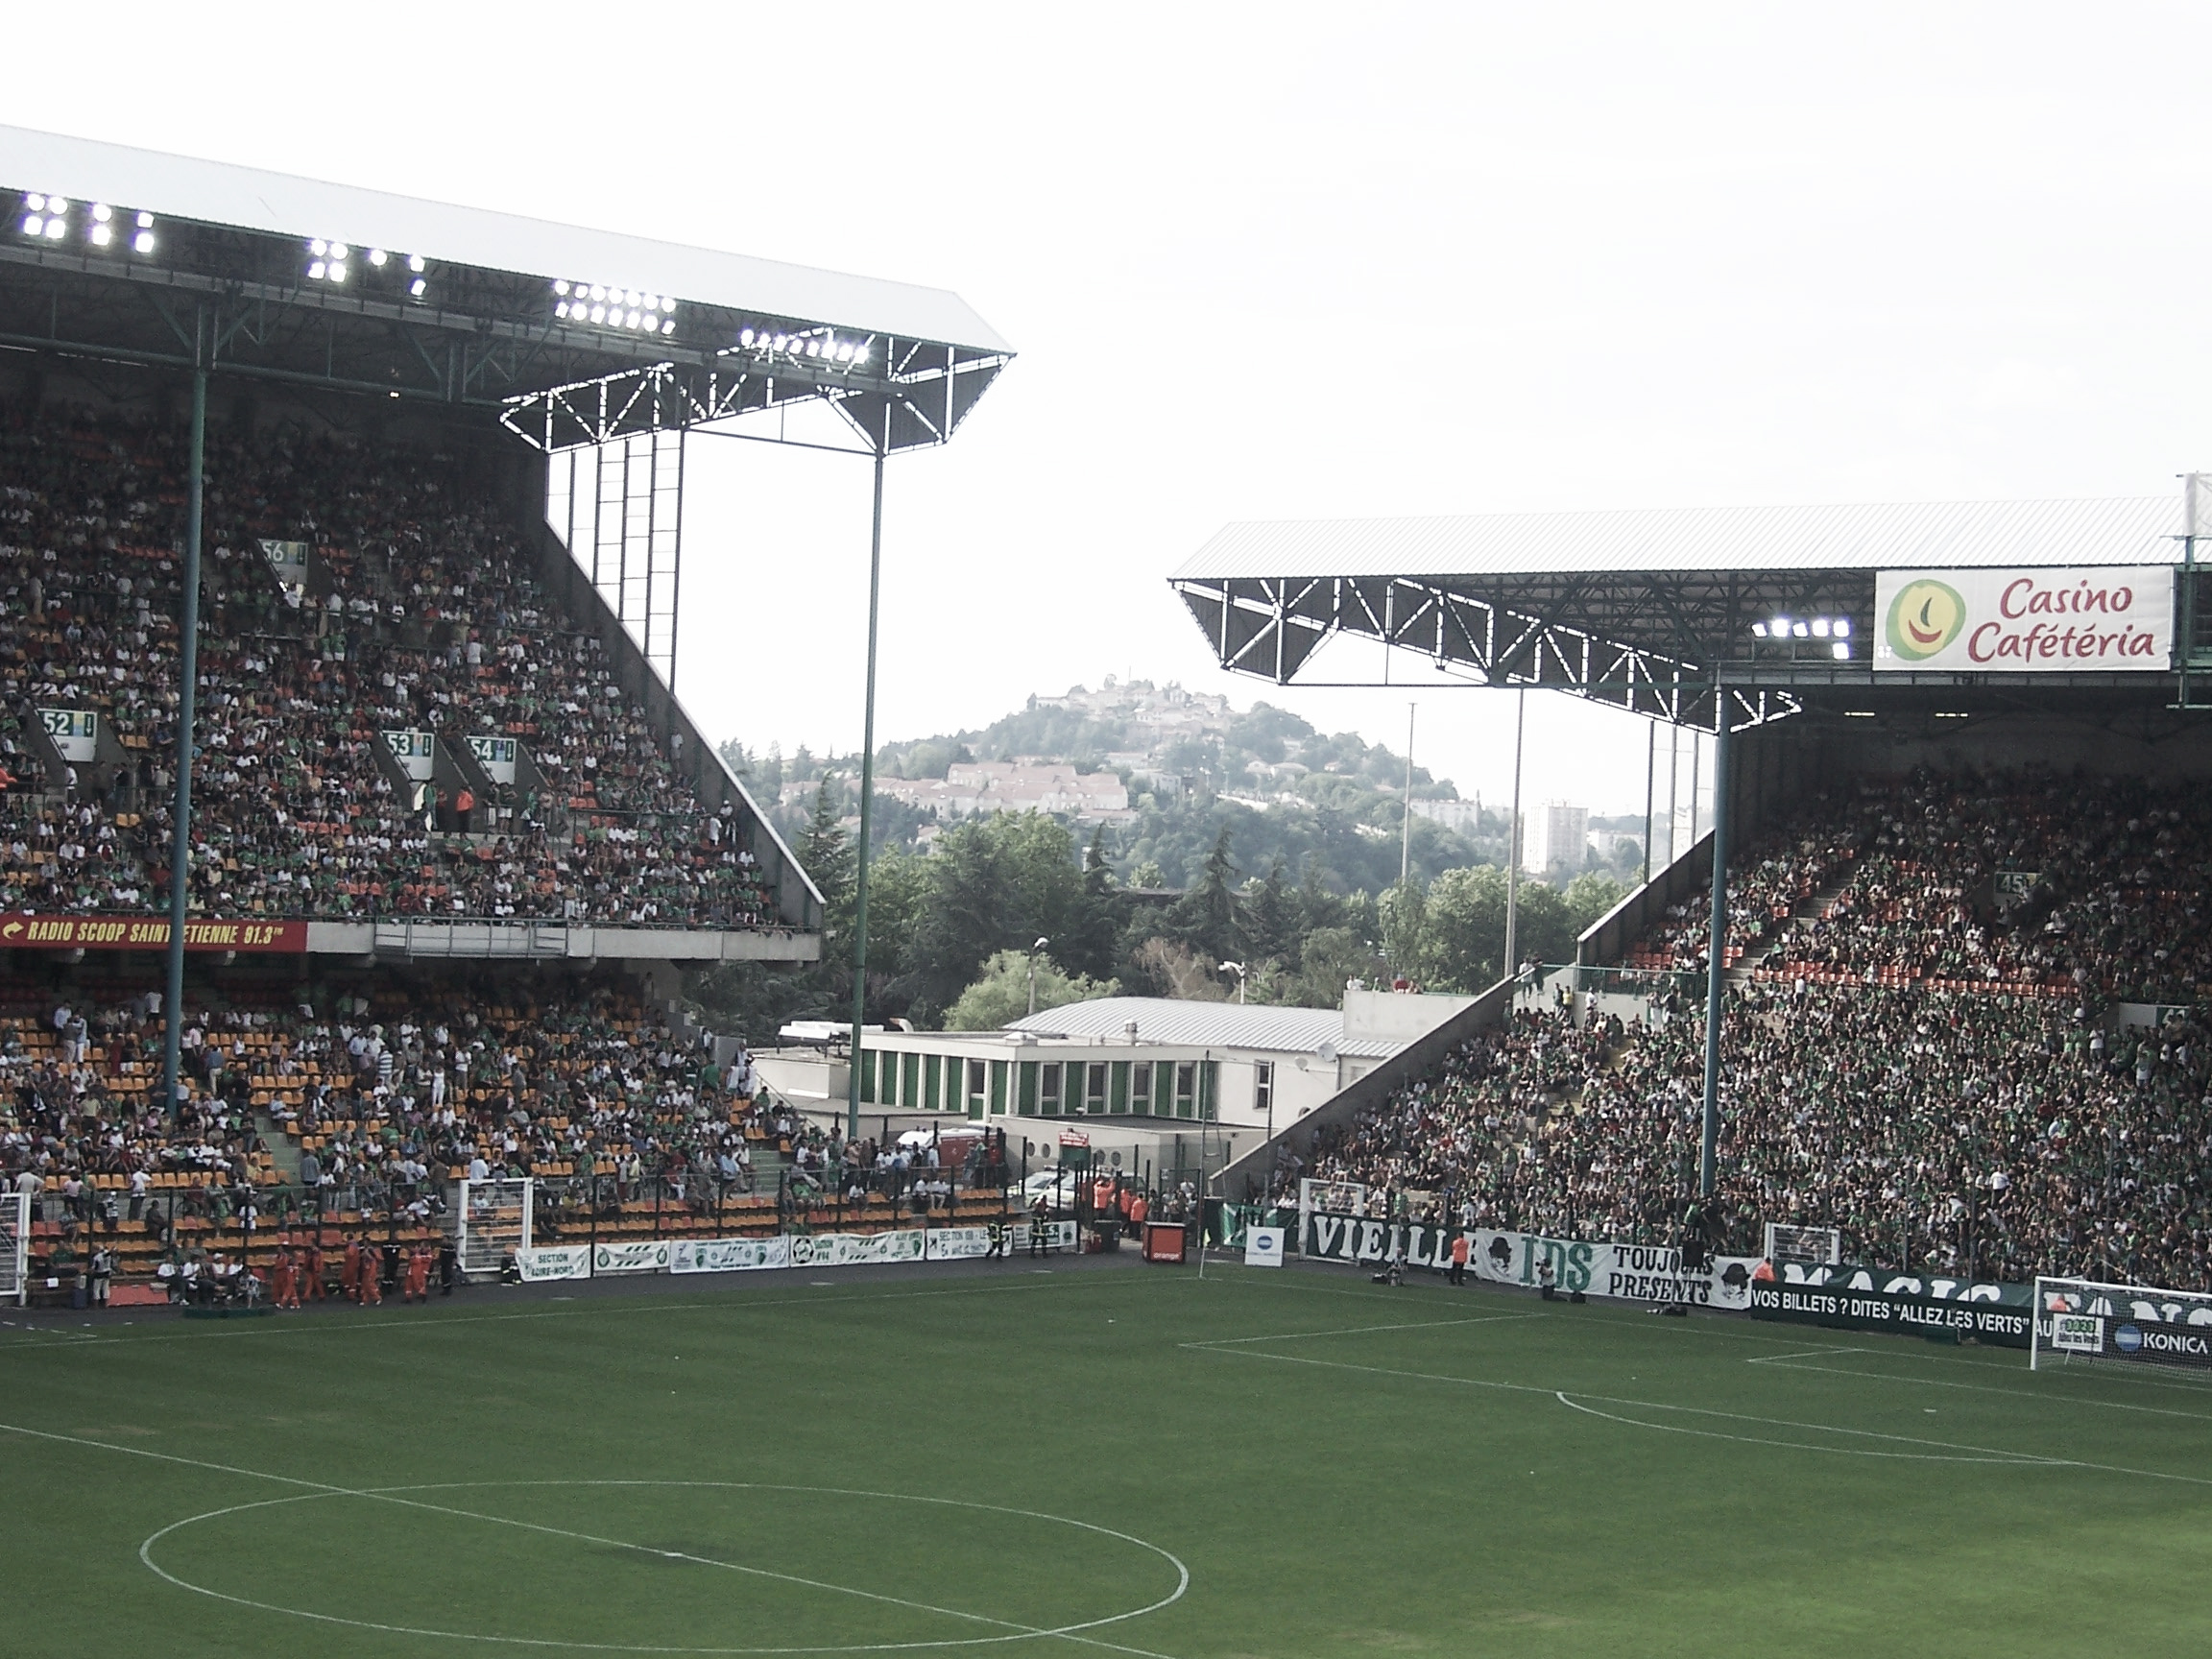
1104,1459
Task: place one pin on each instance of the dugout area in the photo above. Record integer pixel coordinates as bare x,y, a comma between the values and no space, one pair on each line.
1106,1458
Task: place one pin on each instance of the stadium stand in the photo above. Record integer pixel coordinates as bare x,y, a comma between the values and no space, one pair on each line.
428,619
1918,1050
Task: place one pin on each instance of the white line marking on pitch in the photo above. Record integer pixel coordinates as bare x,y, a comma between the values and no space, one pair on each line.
1976,1388
1996,1454
1983,1455
1360,1329
325,1489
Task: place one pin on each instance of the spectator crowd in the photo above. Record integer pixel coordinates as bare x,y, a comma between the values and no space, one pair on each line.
1934,1063
416,607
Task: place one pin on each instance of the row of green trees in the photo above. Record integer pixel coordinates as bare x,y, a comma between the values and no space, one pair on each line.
952,932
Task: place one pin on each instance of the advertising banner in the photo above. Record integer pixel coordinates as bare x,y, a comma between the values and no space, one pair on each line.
2125,1322
2096,618
1264,1247
1624,1272
856,1249
727,1255
1841,1308
632,1256
26,930
554,1261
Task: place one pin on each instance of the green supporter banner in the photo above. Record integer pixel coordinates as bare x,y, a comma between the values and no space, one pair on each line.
1851,1298
1620,1272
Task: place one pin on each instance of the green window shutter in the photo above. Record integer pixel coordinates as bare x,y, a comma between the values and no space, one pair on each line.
998,1085
867,1076
1209,1088
1120,1086
910,1079
932,1071
1028,1103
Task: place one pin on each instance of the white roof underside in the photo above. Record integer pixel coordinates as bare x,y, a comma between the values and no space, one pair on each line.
246,198
2123,531
1175,1024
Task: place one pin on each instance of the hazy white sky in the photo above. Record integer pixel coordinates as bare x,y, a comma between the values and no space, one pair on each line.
1281,261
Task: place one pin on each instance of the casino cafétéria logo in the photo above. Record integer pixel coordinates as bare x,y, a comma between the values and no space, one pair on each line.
1923,618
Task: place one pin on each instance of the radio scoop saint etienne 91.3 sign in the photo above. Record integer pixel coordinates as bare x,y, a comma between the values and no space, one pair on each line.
2076,619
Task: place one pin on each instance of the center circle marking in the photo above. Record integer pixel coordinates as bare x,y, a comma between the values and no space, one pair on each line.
1021,1632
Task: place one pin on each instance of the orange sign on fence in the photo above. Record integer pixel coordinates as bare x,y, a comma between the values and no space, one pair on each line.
146,933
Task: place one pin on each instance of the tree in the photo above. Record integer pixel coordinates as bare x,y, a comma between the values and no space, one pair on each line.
1087,947
1170,967
1270,917
1331,956
992,884
1405,940
1206,916
1000,995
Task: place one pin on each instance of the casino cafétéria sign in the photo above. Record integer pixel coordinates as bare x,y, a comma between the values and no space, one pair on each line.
2073,619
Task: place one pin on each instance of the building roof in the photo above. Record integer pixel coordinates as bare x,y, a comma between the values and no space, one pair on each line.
248,199
1166,1021
2127,530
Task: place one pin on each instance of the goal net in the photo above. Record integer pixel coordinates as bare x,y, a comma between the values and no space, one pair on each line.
2083,1319
1822,1247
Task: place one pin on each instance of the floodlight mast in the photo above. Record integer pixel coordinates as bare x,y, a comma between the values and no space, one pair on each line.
867,795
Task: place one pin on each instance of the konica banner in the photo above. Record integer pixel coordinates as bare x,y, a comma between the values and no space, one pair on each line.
1622,1272
2093,618
2125,1322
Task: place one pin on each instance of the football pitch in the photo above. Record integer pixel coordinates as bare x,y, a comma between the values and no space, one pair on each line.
1101,1459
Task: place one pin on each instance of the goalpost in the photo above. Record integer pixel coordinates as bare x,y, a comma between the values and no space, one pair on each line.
14,1246
2086,1319
491,1222
1818,1246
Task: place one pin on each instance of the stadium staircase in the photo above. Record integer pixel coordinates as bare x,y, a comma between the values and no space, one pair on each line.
1811,910
284,1150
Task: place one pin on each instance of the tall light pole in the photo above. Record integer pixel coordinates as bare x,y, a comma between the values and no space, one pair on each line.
1513,844
1238,969
1406,834
867,794
1033,949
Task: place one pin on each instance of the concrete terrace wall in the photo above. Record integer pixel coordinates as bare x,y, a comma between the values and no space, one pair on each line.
1416,1060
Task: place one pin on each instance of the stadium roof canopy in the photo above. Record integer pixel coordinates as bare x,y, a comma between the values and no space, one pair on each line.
1641,608
572,336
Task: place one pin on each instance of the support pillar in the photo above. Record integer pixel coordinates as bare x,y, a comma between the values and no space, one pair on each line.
189,677
1717,970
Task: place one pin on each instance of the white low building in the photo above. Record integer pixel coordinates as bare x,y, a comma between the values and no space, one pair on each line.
1135,1078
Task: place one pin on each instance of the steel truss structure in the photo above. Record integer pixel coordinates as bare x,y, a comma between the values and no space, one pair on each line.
1646,644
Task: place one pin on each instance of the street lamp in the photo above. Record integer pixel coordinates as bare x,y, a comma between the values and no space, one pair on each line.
1238,969
1033,949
